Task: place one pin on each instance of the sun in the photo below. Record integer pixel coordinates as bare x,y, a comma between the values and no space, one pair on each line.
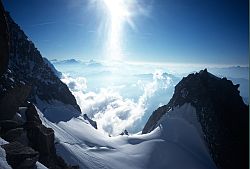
115,15
118,9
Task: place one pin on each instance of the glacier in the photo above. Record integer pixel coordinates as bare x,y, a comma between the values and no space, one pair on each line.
176,143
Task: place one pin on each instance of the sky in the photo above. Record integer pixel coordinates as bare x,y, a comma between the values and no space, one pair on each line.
176,31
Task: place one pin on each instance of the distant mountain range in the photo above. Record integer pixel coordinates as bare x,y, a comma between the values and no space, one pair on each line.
90,63
67,61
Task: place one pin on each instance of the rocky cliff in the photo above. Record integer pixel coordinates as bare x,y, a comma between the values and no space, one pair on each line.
4,41
26,77
221,113
27,66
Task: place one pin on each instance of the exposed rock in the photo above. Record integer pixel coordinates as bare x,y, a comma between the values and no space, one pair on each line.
10,103
18,118
92,122
41,138
27,68
4,41
8,125
125,132
56,72
26,65
13,134
221,112
19,156
32,115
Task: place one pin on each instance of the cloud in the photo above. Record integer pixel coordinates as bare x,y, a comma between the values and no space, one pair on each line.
112,112
75,84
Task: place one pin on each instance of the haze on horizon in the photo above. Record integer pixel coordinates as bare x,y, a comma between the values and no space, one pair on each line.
173,31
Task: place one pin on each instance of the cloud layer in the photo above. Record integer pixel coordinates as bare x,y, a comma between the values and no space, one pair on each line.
113,112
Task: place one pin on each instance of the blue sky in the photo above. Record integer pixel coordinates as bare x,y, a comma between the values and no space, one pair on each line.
179,31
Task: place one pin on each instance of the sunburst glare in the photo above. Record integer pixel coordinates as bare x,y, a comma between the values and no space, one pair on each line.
117,13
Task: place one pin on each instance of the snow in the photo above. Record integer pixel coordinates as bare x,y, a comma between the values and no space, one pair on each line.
56,111
40,166
3,162
176,143
2,141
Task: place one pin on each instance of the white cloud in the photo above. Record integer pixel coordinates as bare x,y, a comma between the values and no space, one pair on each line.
75,84
112,112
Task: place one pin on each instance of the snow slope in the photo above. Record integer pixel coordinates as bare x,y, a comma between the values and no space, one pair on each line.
177,143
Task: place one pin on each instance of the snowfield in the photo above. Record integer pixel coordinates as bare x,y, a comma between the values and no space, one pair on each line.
176,143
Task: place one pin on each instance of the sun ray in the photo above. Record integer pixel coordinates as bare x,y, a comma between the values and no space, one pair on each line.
119,13
115,15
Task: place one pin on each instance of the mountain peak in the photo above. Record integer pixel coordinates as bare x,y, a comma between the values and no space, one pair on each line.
220,111
27,66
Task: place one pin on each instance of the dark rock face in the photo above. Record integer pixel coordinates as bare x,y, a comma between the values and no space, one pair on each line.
26,76
40,137
92,122
4,41
19,156
13,134
10,103
32,115
26,66
8,125
42,140
221,112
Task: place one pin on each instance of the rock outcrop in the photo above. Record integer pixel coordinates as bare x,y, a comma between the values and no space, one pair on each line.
125,132
221,113
32,115
42,140
92,122
26,76
27,67
12,100
20,156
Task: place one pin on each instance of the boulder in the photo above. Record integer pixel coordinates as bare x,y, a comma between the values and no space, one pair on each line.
19,156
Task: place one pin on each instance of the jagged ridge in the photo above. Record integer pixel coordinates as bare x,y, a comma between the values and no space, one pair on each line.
221,112
26,66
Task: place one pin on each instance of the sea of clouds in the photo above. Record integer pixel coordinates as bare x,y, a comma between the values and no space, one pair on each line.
113,112
122,95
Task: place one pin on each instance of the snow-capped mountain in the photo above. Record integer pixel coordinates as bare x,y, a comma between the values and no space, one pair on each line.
65,62
221,112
